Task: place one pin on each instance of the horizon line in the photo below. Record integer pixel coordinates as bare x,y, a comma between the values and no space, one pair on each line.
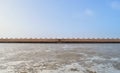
59,38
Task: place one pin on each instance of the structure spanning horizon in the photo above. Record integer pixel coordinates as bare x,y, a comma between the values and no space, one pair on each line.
59,40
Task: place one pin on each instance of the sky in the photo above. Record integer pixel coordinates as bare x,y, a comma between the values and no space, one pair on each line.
60,18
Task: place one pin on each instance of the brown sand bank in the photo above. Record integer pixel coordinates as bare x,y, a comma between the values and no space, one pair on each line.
59,40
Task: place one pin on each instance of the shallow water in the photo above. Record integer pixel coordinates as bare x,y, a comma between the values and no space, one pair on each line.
59,58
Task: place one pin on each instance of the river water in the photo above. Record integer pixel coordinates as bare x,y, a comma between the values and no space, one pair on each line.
59,58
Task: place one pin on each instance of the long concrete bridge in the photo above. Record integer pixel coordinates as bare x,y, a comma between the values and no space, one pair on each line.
58,40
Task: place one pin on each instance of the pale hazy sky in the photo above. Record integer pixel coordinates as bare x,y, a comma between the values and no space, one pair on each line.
60,18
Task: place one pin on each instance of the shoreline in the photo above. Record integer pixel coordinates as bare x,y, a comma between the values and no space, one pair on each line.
30,40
